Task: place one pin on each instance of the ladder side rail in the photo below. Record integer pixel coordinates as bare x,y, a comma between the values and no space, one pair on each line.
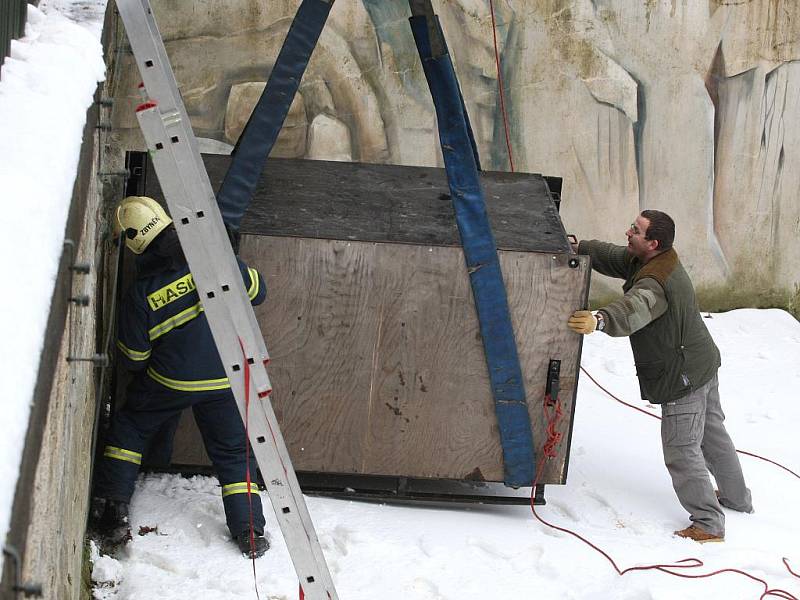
157,76
160,83
210,241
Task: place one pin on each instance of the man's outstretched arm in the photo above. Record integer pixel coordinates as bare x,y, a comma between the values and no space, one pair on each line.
642,304
607,259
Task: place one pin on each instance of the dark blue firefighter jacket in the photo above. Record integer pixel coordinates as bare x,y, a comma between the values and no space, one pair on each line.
162,328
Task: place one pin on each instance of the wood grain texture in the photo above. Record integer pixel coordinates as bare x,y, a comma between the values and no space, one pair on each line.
388,203
377,362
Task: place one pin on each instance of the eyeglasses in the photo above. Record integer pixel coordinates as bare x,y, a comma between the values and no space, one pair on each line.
633,228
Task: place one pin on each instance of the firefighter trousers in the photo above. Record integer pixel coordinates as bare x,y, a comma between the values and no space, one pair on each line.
148,406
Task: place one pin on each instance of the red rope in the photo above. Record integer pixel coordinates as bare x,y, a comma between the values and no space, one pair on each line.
788,568
787,469
500,88
554,437
641,410
247,463
649,414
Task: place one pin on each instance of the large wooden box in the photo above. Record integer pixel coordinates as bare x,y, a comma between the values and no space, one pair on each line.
377,361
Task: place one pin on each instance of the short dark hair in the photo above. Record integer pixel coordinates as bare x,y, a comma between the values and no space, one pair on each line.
661,228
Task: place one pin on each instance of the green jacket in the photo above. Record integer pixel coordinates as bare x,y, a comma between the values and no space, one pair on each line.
672,349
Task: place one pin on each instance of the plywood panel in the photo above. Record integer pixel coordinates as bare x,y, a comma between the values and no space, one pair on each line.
543,292
320,320
431,408
377,362
388,203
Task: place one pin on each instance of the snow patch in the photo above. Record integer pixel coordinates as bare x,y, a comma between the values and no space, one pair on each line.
46,85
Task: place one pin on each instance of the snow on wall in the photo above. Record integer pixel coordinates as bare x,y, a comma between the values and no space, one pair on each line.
46,85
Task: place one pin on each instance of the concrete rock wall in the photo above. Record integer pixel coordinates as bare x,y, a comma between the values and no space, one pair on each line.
689,107
52,493
54,551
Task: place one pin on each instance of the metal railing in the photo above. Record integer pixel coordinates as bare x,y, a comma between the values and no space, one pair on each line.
12,23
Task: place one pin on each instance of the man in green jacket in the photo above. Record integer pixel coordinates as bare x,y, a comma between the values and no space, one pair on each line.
676,363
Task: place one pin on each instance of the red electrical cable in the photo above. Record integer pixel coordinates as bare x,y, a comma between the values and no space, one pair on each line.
649,414
787,469
788,568
549,452
500,88
641,410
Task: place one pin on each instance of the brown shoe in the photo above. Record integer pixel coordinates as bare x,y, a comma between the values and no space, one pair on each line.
693,532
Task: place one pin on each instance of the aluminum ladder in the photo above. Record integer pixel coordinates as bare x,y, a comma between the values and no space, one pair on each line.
193,207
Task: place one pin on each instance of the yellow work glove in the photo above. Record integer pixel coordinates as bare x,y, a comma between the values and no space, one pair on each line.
582,321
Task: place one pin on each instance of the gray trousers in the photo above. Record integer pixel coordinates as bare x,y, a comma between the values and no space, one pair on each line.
695,442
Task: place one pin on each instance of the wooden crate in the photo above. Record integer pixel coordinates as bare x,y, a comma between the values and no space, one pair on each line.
377,362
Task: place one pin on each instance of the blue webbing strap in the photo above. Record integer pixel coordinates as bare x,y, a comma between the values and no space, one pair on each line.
480,253
261,131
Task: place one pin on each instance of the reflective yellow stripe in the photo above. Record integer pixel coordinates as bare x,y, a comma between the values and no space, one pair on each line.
122,454
199,385
133,354
253,291
239,488
193,312
171,292
181,318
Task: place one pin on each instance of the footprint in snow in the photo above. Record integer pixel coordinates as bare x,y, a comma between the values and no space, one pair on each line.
425,590
342,539
565,510
532,561
615,367
488,548
427,546
600,500
159,561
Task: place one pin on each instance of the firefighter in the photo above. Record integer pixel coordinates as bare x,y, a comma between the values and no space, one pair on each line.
164,339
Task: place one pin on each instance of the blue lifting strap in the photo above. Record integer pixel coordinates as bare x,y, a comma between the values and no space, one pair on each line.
480,252
261,131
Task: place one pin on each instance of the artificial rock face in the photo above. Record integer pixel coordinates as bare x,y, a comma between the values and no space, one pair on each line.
688,107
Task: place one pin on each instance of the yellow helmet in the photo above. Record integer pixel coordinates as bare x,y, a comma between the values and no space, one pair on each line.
140,219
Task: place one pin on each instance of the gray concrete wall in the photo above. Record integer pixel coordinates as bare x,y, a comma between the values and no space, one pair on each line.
54,550
51,498
688,107
58,497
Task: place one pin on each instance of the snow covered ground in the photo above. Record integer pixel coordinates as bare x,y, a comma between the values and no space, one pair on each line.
618,495
46,85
